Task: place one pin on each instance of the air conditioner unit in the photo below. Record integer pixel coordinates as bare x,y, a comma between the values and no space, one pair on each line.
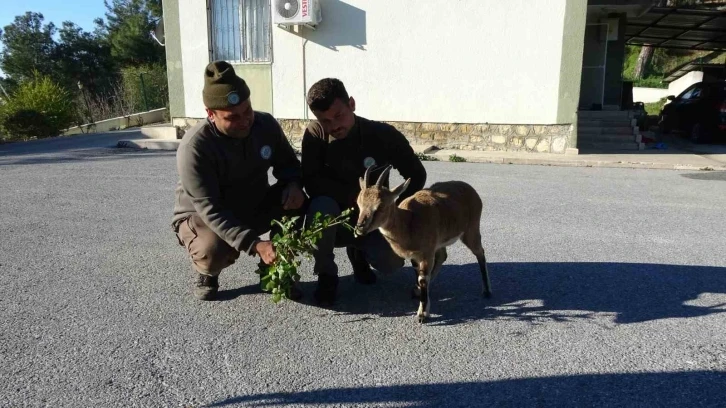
296,12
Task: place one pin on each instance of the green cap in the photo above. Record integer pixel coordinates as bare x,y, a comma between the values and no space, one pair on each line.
222,87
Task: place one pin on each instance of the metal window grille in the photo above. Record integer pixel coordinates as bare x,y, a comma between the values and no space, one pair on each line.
241,30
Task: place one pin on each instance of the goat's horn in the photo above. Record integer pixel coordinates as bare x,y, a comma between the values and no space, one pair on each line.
366,176
383,176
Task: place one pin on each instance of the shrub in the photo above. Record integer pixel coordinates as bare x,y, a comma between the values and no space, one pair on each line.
650,82
127,96
654,108
425,157
456,159
38,108
146,86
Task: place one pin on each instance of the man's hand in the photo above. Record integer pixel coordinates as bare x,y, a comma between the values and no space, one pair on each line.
292,197
266,251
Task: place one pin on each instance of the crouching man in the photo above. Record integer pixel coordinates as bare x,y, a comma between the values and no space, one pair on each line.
337,149
224,201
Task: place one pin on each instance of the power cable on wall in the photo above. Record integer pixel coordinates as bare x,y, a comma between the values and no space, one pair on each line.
305,80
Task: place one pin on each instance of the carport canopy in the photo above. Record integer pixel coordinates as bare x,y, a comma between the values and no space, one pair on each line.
672,27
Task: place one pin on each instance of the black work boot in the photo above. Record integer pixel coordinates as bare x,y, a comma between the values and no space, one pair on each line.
327,288
362,271
294,293
205,287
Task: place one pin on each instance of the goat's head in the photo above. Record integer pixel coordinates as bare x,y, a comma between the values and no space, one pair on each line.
376,201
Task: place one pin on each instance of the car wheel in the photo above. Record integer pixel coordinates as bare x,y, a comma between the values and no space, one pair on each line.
698,135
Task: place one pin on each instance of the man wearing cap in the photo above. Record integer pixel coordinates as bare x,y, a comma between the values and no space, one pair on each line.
223,198
336,151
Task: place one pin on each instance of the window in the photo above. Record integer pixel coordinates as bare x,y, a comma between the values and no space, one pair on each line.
692,93
240,30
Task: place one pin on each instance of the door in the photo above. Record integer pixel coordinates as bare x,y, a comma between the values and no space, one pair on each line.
594,59
685,108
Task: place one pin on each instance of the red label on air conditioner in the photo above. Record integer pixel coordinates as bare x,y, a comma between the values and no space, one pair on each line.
305,8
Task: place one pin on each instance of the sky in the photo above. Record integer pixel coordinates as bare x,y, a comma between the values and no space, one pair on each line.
81,12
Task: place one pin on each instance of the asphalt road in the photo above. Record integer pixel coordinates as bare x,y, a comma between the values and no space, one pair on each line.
609,290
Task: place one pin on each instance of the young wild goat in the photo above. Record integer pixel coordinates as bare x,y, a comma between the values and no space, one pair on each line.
423,225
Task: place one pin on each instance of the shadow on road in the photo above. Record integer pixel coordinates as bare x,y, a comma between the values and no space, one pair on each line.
97,146
692,389
707,176
231,294
540,292
91,154
64,143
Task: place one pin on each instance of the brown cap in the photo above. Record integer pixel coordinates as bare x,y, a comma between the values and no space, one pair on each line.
222,87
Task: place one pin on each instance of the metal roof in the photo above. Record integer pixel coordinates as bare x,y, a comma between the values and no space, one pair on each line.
668,27
714,60
694,66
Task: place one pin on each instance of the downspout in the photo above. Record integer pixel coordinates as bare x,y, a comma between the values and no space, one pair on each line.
305,81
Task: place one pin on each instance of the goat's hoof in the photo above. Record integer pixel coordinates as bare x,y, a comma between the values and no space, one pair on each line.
487,294
422,319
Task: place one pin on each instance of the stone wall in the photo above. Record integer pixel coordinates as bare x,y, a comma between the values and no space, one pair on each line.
525,138
529,138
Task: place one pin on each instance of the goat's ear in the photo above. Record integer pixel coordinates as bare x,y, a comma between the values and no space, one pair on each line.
396,192
362,183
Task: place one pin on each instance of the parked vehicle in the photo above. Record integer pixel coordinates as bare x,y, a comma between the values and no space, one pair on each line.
699,112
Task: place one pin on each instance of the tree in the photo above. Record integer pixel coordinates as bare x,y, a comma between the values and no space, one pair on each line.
86,58
7,87
28,47
646,53
127,27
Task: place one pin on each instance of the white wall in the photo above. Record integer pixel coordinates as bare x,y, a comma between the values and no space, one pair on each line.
680,84
649,95
195,54
465,61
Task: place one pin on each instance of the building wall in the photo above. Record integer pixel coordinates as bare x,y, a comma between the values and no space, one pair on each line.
615,60
649,95
573,42
259,79
194,39
474,74
474,61
173,49
195,53
680,84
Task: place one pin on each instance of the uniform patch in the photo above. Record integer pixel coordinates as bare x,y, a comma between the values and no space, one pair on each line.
266,152
368,162
233,98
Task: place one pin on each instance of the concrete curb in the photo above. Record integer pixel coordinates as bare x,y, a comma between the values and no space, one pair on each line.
631,161
585,163
150,144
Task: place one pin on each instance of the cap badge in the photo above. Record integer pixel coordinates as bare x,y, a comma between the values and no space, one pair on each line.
233,98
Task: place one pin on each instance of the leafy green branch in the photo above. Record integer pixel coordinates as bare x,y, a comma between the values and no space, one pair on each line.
292,243
425,157
456,159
